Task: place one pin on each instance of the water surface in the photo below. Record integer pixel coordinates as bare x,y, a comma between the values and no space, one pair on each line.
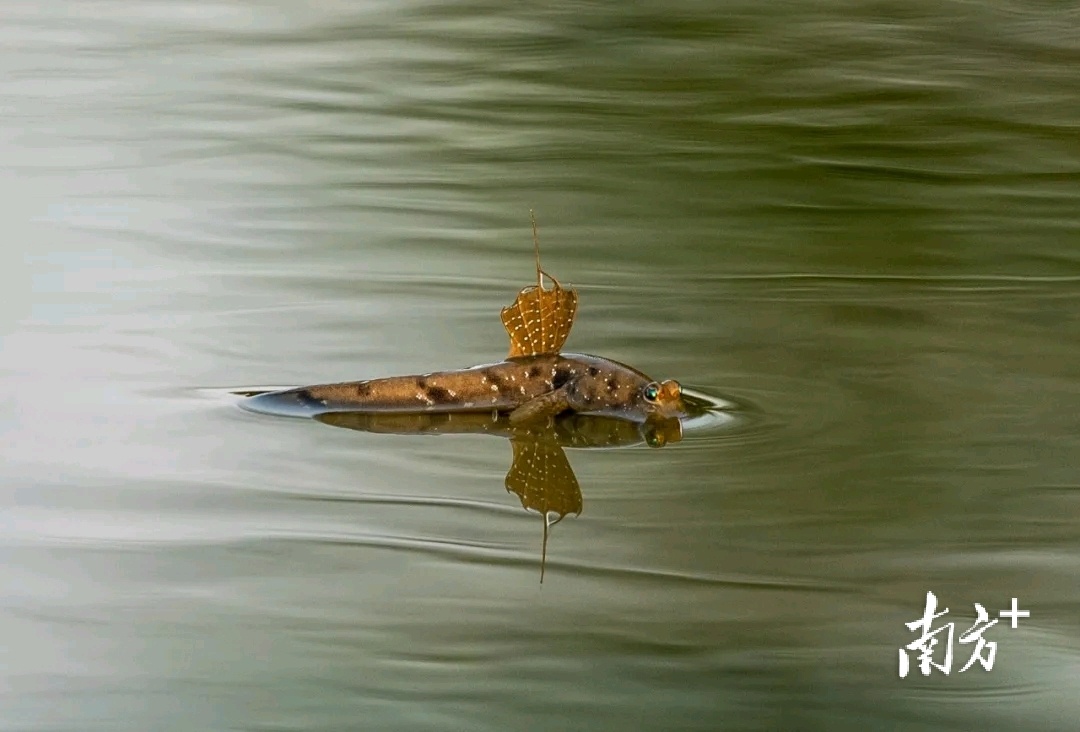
859,220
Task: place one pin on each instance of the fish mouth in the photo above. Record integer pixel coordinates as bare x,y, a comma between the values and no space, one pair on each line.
671,409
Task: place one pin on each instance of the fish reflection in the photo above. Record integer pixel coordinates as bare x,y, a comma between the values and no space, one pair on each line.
539,398
540,474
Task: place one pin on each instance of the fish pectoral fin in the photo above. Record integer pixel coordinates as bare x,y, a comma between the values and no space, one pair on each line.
541,407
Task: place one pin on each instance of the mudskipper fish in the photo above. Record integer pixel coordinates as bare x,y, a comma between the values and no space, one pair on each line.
536,382
541,400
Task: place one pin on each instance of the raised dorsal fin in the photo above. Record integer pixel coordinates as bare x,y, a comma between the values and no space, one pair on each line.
539,320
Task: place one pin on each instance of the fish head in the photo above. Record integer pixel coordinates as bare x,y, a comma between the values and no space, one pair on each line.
662,400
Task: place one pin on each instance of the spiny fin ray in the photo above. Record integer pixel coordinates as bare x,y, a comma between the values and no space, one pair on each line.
539,319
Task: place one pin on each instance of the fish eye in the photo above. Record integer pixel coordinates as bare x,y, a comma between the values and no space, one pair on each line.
651,392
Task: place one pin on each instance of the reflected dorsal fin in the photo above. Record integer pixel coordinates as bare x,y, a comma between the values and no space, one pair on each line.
539,320
542,478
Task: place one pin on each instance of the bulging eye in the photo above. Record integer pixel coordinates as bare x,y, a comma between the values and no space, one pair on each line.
651,392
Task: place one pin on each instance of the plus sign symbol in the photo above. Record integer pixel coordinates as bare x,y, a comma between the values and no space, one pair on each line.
1015,613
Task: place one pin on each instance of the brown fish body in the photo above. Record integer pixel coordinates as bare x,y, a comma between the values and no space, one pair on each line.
584,384
535,382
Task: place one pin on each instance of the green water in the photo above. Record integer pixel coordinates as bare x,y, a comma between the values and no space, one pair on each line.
858,221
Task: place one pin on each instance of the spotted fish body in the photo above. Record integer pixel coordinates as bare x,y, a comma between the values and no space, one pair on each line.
583,384
535,381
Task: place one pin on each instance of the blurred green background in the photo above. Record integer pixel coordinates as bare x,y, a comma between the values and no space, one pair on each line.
859,220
